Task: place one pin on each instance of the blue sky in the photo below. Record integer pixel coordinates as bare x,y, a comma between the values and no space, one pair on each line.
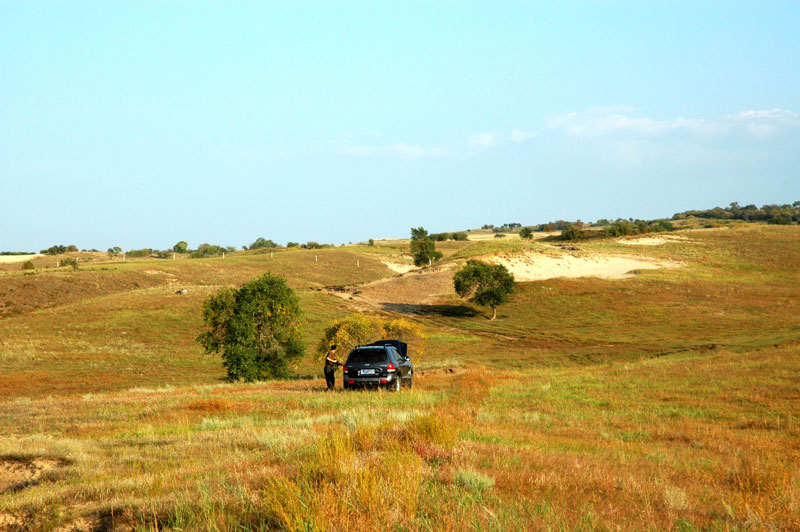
138,124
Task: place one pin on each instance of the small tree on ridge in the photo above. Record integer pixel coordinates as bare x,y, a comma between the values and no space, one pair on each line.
484,284
423,247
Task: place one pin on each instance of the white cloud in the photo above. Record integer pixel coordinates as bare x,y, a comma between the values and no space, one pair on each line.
766,113
625,139
519,135
621,123
481,140
401,150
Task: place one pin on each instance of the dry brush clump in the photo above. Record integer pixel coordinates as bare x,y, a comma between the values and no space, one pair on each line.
361,329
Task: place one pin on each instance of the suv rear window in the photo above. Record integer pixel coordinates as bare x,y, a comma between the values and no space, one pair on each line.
367,356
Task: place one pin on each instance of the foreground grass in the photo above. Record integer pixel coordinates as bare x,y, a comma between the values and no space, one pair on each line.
697,441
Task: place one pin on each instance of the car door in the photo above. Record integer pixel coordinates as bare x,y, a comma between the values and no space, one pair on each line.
403,365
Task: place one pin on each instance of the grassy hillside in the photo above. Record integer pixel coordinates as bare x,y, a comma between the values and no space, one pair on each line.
664,401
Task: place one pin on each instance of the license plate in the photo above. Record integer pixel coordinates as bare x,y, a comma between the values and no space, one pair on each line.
366,372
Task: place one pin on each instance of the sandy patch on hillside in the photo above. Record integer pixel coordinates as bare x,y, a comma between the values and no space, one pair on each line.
5,259
534,266
398,267
510,236
653,240
417,287
18,473
490,236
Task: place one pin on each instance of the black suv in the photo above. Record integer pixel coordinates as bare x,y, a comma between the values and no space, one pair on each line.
382,363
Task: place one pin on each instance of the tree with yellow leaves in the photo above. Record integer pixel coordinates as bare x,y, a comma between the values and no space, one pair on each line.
361,329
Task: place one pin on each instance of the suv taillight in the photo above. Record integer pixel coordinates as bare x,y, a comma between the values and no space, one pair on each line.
390,367
344,369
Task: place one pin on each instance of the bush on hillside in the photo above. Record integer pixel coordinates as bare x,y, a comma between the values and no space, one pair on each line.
28,265
361,329
138,253
619,228
262,242
207,250
70,262
57,249
572,233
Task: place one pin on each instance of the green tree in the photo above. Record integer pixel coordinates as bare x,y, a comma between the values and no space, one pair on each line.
484,284
181,247
526,232
256,328
423,247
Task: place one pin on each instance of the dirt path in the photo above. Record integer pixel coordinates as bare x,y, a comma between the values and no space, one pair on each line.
402,292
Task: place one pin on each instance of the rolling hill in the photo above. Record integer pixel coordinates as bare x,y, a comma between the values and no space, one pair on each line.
662,397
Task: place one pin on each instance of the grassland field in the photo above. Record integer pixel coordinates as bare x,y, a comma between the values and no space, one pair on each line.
668,400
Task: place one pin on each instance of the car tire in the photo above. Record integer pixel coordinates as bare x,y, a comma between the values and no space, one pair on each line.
410,382
396,384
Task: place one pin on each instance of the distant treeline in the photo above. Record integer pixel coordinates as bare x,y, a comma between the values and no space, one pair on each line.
572,231
772,214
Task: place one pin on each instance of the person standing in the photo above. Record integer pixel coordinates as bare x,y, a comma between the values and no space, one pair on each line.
330,367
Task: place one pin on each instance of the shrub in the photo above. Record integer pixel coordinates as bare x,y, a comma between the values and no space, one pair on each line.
54,250
207,250
371,242
526,232
262,243
780,220
571,233
181,247
360,329
135,253
619,228
499,235
292,244
460,236
28,265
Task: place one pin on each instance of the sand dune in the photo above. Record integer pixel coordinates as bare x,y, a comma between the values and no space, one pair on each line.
17,258
537,266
